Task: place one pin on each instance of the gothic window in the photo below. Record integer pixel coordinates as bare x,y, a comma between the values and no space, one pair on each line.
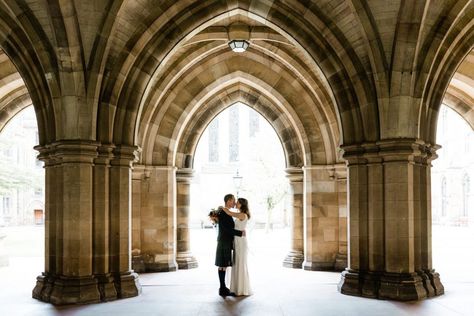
444,197
234,134
254,123
465,195
214,141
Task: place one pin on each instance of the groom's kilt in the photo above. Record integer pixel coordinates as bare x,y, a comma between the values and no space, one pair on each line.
224,254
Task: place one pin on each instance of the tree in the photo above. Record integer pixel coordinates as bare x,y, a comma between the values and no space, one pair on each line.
12,175
267,181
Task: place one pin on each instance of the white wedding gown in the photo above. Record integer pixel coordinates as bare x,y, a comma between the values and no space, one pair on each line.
239,282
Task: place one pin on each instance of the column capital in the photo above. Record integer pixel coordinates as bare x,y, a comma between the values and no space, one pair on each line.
294,174
104,154
390,150
184,174
68,151
125,155
334,171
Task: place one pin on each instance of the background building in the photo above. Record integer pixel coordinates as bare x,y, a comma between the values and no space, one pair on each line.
453,171
240,152
22,175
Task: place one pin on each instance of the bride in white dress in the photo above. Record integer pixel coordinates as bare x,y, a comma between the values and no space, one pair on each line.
240,282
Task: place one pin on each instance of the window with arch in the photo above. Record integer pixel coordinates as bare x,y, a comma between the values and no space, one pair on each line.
465,195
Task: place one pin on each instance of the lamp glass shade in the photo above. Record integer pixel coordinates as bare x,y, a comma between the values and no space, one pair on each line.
239,46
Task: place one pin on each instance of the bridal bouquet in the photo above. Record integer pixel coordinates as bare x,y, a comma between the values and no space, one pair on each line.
214,215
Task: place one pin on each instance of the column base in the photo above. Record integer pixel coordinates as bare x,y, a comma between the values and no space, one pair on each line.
186,260
294,259
61,290
106,287
127,284
392,286
341,262
434,281
154,263
318,266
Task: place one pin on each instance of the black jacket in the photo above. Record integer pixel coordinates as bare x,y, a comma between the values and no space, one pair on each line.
226,229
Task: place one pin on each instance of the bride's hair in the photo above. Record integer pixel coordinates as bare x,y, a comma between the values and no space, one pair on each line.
244,206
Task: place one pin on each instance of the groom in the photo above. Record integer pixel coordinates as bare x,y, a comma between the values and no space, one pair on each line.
225,243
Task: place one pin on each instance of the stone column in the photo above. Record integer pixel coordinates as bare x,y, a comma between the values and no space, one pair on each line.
101,220
340,176
321,218
184,258
69,274
158,219
126,281
139,176
295,257
390,221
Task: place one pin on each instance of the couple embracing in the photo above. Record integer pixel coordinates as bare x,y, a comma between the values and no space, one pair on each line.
232,246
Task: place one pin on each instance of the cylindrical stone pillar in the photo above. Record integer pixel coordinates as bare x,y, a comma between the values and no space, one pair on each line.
125,279
295,257
184,257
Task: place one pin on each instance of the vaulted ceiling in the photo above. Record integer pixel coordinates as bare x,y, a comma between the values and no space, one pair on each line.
154,73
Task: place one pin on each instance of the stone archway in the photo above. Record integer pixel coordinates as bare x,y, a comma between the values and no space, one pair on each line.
182,100
240,87
108,77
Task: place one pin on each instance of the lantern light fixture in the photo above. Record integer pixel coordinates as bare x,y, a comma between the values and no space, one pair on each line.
239,46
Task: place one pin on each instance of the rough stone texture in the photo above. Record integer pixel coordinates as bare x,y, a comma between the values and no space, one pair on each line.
321,217
157,221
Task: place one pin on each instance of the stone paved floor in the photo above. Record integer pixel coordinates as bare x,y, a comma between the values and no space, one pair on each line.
278,291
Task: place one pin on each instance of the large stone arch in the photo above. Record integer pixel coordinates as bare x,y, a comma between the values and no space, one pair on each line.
275,81
294,141
446,54
14,106
459,95
108,76
20,46
333,70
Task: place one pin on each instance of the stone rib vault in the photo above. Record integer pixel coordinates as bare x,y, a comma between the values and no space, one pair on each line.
123,89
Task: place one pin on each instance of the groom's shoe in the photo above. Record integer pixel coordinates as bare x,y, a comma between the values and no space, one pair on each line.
225,292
